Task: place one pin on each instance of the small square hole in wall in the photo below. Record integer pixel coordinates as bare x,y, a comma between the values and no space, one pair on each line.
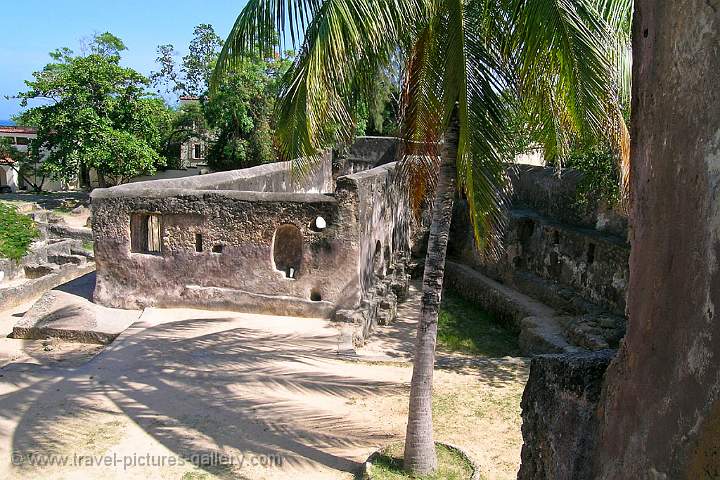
217,249
198,242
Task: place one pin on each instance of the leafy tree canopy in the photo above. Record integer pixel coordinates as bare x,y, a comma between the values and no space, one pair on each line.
95,114
192,76
237,120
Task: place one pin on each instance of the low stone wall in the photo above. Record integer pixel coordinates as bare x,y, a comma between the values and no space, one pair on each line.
270,250
273,177
575,268
554,194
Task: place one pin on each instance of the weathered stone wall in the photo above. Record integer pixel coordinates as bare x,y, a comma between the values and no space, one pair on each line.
249,240
560,415
272,177
658,414
366,153
553,193
572,267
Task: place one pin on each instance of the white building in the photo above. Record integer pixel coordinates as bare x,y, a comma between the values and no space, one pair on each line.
194,150
20,138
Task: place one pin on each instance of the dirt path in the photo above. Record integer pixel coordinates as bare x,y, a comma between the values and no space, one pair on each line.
269,391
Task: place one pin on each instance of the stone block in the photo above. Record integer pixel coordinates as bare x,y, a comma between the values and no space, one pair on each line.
38,270
69,317
559,412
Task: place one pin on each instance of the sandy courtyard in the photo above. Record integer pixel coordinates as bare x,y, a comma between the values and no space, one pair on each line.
189,394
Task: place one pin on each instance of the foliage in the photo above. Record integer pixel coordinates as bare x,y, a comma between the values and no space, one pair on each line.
451,465
553,55
240,111
601,176
192,76
236,121
17,232
464,327
99,115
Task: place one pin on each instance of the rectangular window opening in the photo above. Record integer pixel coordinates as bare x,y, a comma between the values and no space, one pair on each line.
145,233
198,242
591,254
217,249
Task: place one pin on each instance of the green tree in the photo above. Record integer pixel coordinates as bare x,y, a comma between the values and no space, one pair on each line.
192,76
97,115
237,121
239,112
463,58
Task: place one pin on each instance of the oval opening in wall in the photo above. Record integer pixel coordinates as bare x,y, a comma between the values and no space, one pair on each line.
287,250
318,225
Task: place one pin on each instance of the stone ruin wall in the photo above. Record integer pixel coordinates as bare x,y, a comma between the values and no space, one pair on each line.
562,282
571,262
253,224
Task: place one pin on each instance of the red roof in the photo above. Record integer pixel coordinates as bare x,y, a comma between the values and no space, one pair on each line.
18,130
6,161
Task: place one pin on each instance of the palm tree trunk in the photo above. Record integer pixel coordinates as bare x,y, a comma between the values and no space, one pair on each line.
420,457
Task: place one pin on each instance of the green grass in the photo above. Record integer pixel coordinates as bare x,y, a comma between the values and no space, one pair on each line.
88,245
464,327
451,466
17,232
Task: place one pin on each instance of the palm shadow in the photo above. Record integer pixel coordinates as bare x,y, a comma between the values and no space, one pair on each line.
194,386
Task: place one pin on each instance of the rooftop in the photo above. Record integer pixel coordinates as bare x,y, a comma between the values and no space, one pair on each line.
18,130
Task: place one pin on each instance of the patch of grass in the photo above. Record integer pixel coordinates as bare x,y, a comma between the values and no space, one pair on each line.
17,232
466,328
451,465
195,476
88,245
100,437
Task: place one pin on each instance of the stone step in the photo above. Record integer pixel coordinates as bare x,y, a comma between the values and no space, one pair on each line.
72,318
83,253
64,259
38,270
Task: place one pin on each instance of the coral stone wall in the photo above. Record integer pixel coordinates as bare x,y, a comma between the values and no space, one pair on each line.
572,266
271,250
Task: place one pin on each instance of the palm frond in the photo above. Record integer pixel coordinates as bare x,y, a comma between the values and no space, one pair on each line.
346,42
563,45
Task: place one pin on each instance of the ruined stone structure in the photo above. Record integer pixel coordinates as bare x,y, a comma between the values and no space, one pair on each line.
252,240
562,279
657,415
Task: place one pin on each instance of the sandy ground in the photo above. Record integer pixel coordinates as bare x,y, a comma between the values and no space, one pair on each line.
271,393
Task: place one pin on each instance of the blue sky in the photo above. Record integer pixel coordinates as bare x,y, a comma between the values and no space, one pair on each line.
33,28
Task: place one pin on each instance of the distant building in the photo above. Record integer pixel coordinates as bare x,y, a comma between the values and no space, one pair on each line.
194,150
10,180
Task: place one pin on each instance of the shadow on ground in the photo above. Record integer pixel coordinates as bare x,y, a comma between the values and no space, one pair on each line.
201,385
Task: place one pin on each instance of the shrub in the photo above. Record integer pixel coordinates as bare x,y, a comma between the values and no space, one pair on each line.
601,176
17,232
